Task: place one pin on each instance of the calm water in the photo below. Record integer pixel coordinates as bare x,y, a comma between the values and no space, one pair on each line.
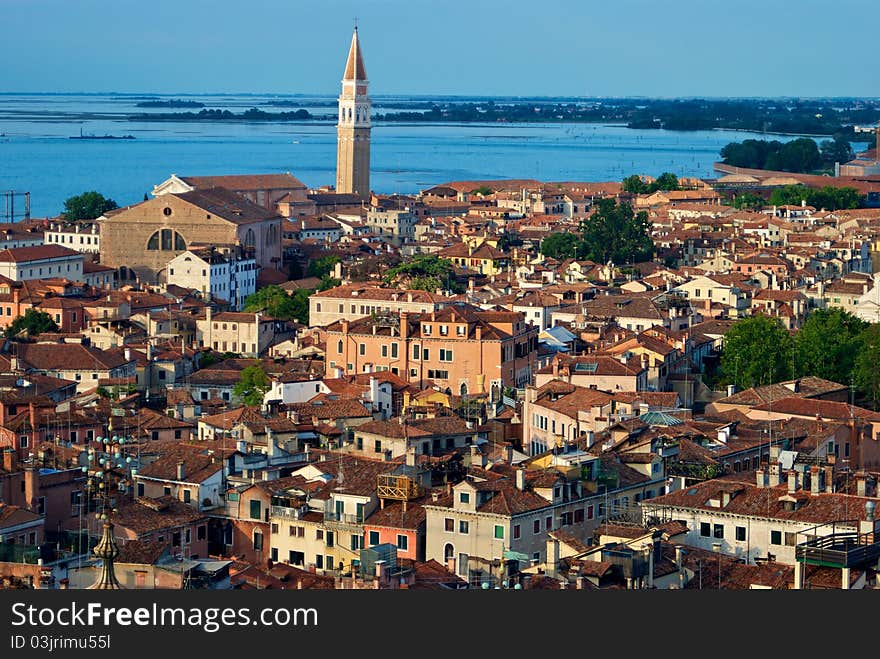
37,156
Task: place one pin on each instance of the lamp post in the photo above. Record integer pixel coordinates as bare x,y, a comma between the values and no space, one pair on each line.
106,478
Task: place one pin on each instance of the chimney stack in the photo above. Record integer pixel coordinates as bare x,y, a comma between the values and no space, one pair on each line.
792,481
829,478
815,480
761,477
521,479
861,484
181,470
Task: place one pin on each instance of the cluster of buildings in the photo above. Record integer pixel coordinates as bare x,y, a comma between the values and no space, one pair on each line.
531,422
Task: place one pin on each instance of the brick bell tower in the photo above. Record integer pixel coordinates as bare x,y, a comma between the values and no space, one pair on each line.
353,128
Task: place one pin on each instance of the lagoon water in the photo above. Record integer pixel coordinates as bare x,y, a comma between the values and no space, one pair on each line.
37,156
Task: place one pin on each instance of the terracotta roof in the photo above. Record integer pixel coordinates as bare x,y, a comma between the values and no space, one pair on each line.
354,64
35,253
245,182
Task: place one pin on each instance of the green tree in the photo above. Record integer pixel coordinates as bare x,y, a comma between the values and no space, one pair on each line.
328,282
33,322
829,198
323,266
757,350
835,150
300,305
424,270
87,206
749,153
273,300
614,232
560,245
634,184
866,368
666,182
749,201
800,155
252,384
827,344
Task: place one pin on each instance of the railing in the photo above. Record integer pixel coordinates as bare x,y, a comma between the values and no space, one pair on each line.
843,549
286,513
343,518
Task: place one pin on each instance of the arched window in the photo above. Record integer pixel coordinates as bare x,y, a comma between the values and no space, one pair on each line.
249,238
463,389
271,235
448,552
339,347
166,240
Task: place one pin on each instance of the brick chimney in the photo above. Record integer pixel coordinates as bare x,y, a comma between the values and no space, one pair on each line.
10,461
861,483
792,481
404,324
181,470
815,479
31,486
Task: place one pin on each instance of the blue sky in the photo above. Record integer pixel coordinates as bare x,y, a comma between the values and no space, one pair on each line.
468,47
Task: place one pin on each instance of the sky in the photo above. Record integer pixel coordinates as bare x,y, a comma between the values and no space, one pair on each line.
709,48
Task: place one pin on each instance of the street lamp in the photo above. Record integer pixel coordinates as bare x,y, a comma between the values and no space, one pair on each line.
106,477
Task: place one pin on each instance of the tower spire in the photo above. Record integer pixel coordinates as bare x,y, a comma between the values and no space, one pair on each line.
354,65
353,127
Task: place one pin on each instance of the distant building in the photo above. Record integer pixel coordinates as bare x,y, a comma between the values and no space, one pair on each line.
229,276
41,262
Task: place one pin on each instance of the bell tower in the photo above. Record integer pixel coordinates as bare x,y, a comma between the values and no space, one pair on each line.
353,127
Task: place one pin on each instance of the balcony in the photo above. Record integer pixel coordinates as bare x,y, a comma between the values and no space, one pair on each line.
285,513
342,519
840,549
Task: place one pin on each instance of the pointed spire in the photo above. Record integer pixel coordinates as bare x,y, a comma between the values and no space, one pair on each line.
354,65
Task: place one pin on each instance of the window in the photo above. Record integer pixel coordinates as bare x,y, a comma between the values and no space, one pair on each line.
464,497
415,351
140,489
790,539
705,529
258,540
319,534
740,533
377,447
449,524
589,512
402,542
463,527
445,355
548,523
499,532
256,509
362,349
394,350
516,531
775,537
374,538
356,542
319,562
718,531
166,490
578,515
187,496
536,527
384,350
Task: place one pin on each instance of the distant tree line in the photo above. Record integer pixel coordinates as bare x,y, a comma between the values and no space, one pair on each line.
802,155
253,114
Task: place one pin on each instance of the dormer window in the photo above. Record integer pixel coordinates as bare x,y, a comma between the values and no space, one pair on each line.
464,497
426,330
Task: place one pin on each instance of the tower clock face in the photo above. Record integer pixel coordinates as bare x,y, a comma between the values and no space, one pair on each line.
361,89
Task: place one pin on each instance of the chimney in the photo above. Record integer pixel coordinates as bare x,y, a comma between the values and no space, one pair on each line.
478,457
10,463
829,478
181,470
404,324
815,479
792,481
31,486
127,353
208,316
521,479
508,453
775,475
761,477
411,456
32,416
861,484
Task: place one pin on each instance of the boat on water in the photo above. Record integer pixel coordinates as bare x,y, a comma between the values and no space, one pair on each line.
92,136
102,137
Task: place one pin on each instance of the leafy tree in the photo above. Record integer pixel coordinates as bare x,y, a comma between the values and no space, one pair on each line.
87,206
866,367
614,232
560,245
300,305
800,155
33,322
634,184
273,299
323,266
328,282
252,384
424,270
757,351
835,150
827,344
749,201
829,198
666,181
749,153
